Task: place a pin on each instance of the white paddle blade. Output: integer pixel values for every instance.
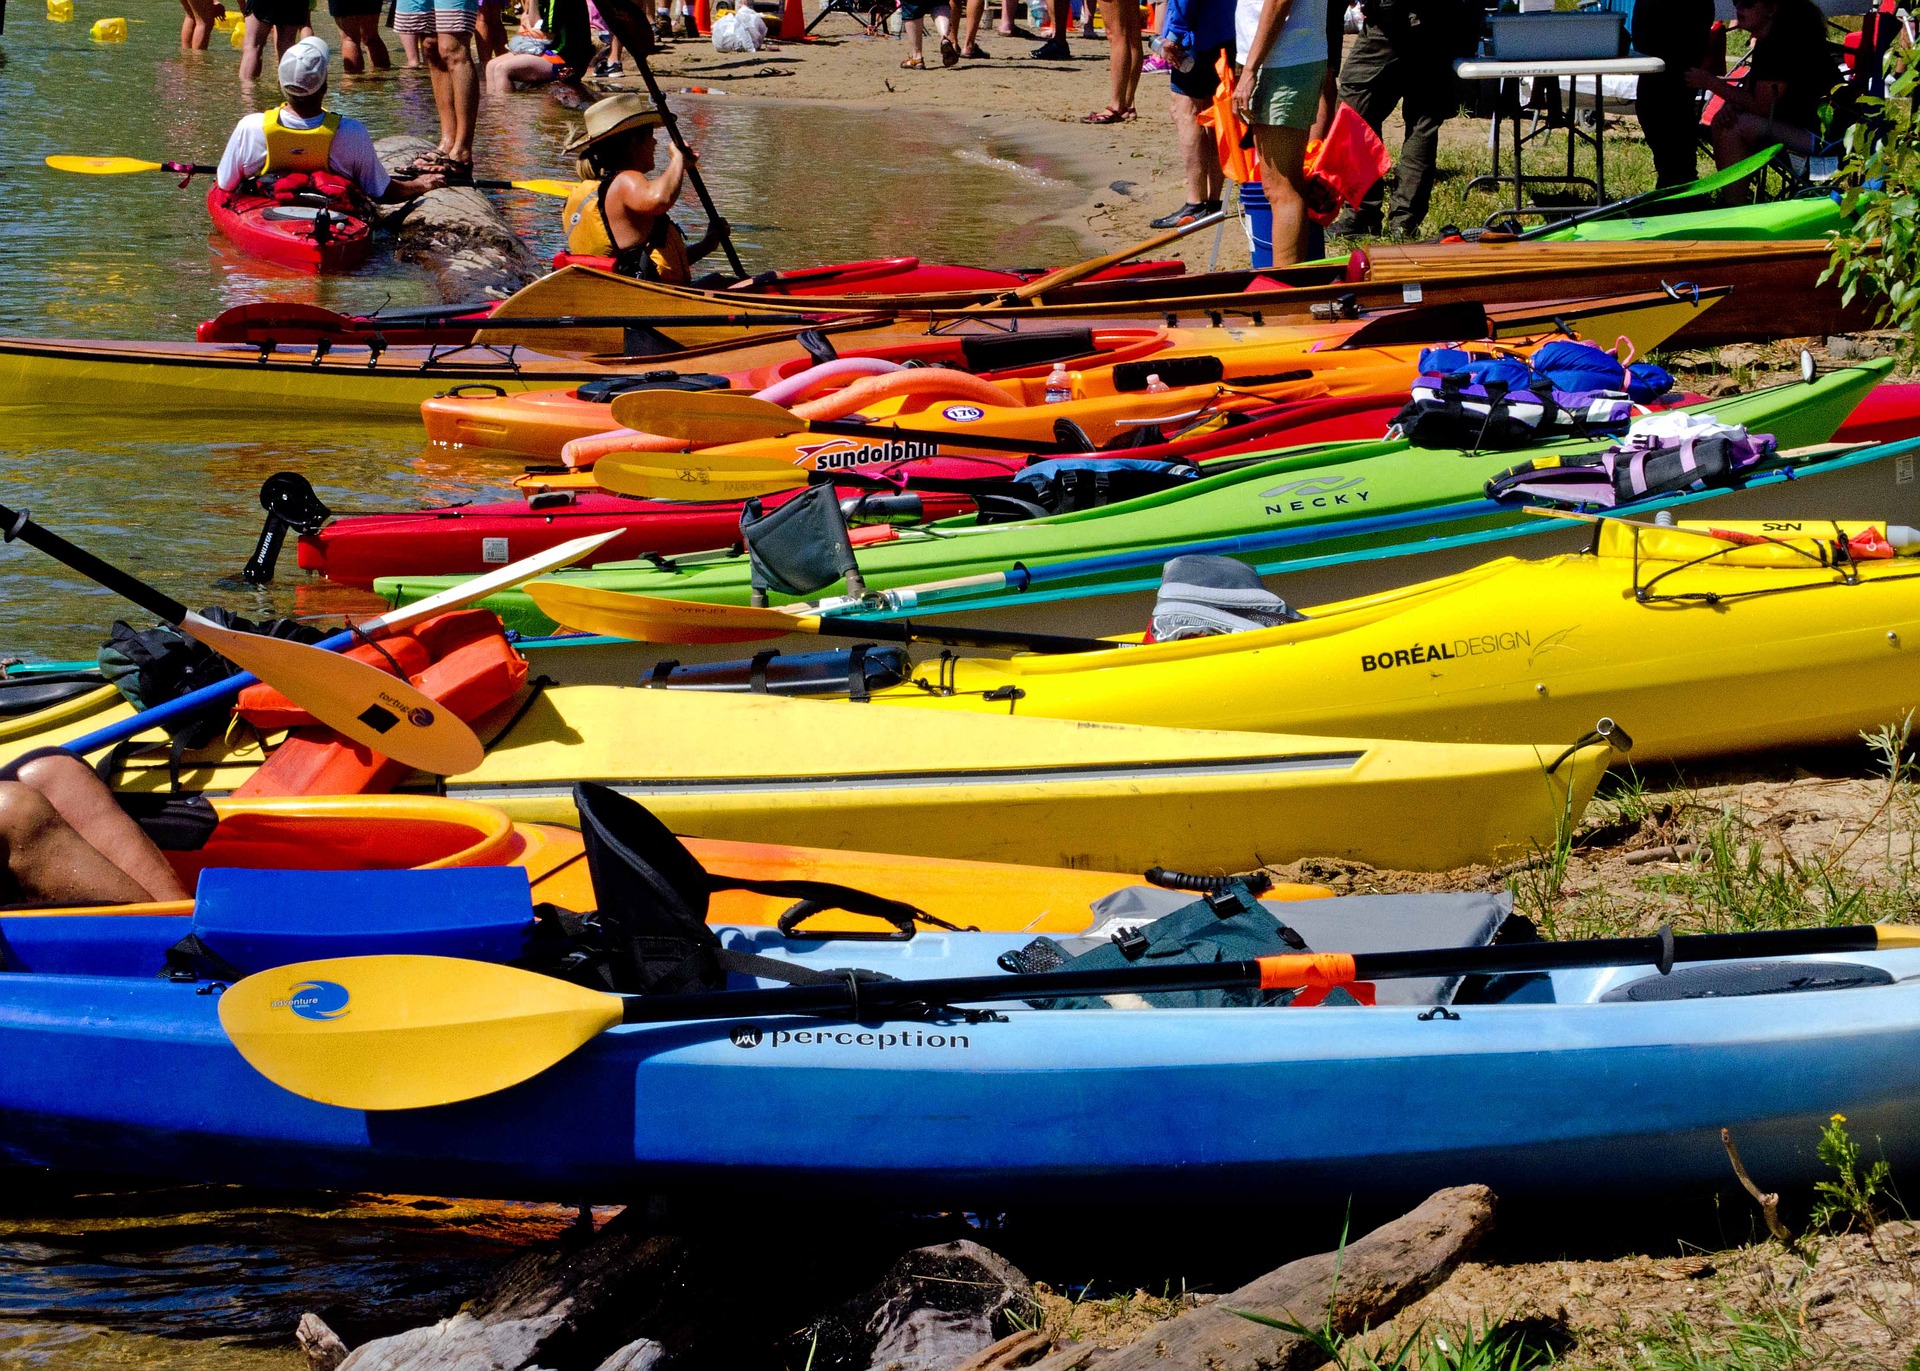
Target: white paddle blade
(505, 578)
(368, 706)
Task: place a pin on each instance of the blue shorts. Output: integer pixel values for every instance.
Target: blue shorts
(435, 16)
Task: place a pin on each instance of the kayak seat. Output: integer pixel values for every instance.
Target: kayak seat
(653, 896)
(1015, 351)
(1732, 980)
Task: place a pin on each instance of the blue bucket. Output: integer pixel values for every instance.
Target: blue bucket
(1257, 216)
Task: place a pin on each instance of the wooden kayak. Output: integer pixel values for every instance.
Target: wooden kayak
(1776, 290)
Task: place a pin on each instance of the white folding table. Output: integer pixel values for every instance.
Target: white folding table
(1486, 69)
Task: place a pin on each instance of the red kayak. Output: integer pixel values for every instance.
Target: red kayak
(475, 538)
(307, 232)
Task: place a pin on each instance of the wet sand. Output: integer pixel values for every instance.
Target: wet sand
(1010, 98)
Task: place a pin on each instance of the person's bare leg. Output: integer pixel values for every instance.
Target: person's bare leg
(442, 90)
(463, 84)
(916, 32)
(252, 50)
(489, 32)
(410, 45)
(1283, 154)
(970, 32)
(1123, 51)
(88, 807)
(47, 860)
(1198, 156)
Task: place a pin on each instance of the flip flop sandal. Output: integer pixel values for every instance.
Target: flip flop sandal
(976, 53)
(914, 64)
(1104, 116)
(949, 54)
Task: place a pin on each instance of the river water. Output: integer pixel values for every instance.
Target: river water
(216, 1279)
(132, 257)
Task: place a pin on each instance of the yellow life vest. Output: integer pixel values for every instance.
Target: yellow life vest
(662, 256)
(297, 149)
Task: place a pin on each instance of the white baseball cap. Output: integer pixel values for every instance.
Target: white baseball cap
(303, 67)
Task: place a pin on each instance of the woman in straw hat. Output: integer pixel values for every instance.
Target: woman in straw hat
(620, 211)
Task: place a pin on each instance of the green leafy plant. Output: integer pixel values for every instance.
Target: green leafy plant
(1853, 1195)
(1878, 258)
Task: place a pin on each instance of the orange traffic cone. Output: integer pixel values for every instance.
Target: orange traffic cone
(793, 20)
(702, 17)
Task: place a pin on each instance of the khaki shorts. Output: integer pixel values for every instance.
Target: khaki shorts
(1288, 97)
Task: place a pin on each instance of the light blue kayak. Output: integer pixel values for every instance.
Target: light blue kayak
(1560, 1081)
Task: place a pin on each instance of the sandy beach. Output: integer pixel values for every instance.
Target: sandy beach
(1127, 174)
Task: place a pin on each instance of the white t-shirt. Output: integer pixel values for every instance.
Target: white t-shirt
(1302, 38)
(351, 154)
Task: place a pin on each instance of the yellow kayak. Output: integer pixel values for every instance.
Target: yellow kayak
(1699, 646)
(1035, 791)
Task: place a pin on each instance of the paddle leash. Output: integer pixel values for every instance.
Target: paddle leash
(408, 1032)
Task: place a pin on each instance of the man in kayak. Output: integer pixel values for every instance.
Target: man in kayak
(619, 211)
(302, 136)
(58, 822)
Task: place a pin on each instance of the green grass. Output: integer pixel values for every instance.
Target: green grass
(1767, 1343)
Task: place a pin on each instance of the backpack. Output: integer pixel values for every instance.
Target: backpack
(153, 665)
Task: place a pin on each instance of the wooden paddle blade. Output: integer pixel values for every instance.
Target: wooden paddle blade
(650, 619)
(101, 166)
(477, 588)
(714, 475)
(407, 1032)
(361, 703)
(706, 417)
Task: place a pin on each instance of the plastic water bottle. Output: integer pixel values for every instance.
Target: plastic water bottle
(1059, 384)
(1156, 386)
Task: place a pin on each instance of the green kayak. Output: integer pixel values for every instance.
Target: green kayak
(1777, 221)
(1435, 493)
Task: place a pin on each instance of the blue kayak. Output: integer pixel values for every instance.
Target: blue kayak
(1560, 1081)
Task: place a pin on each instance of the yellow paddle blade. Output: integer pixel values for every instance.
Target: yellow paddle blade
(650, 619)
(1897, 935)
(101, 166)
(706, 475)
(706, 417)
(559, 189)
(363, 704)
(407, 1032)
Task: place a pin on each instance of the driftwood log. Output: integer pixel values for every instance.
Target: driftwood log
(1360, 1286)
(457, 234)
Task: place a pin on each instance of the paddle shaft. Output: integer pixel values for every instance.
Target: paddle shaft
(855, 998)
(714, 219)
(906, 631)
(230, 686)
(18, 525)
(986, 442)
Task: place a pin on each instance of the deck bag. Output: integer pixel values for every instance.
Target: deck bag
(650, 933)
(1201, 596)
(797, 547)
(1226, 926)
